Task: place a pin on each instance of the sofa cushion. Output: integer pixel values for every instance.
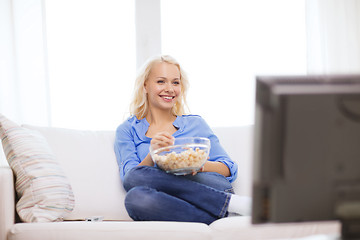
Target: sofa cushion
(110, 231)
(89, 161)
(242, 228)
(238, 143)
(43, 189)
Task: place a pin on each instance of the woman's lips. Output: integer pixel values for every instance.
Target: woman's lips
(167, 98)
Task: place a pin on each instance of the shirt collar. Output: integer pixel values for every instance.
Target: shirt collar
(178, 123)
(145, 122)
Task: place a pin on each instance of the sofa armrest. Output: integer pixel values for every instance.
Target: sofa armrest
(7, 201)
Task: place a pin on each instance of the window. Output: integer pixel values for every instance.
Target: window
(91, 62)
(224, 44)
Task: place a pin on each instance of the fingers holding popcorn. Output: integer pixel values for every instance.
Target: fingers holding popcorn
(162, 139)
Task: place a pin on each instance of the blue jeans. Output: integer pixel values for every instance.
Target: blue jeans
(154, 195)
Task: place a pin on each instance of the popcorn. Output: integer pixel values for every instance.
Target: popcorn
(187, 159)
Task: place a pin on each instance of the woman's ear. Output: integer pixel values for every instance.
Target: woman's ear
(144, 87)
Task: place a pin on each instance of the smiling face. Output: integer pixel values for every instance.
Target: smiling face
(163, 86)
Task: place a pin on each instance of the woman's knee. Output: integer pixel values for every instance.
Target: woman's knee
(134, 177)
(135, 196)
(140, 176)
(138, 202)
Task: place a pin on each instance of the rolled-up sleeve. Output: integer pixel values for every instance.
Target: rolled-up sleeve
(217, 152)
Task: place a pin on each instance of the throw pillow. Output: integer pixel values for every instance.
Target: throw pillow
(44, 192)
(89, 160)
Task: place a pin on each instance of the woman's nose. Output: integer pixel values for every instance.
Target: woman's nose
(169, 88)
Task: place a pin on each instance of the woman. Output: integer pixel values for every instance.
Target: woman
(157, 119)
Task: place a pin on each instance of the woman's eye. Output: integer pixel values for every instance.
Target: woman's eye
(176, 83)
(160, 81)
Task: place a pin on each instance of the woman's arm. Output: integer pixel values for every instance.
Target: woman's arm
(125, 150)
(219, 161)
(218, 167)
(147, 161)
(161, 139)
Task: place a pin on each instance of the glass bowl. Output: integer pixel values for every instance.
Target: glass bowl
(187, 155)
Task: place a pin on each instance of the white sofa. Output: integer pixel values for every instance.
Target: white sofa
(89, 162)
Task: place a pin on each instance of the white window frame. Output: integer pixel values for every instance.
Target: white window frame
(148, 29)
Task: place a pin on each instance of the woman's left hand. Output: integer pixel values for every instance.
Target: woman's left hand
(202, 169)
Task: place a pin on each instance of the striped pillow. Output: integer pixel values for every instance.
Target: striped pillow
(44, 192)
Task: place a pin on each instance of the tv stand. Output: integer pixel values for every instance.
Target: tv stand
(348, 213)
(321, 237)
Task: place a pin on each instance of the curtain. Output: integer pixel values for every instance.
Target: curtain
(24, 95)
(333, 36)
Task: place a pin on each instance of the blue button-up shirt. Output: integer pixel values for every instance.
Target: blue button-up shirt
(132, 145)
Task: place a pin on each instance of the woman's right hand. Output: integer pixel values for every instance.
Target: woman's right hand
(162, 139)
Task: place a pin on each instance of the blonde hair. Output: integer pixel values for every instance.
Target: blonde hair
(139, 105)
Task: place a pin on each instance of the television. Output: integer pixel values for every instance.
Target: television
(306, 164)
